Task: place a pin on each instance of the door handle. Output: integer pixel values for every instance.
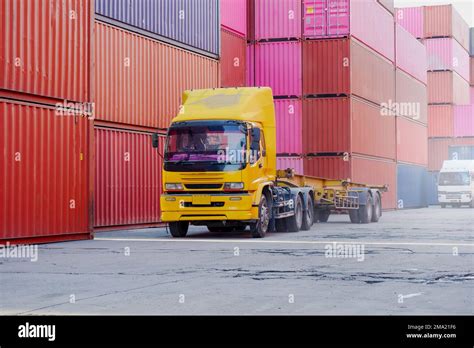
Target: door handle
(260, 165)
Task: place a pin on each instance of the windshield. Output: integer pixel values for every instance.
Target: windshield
(210, 143)
(454, 179)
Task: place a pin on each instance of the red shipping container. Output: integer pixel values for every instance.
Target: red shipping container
(365, 170)
(127, 179)
(464, 120)
(251, 20)
(447, 54)
(296, 163)
(447, 87)
(233, 59)
(288, 126)
(411, 19)
(234, 16)
(411, 97)
(440, 121)
(438, 150)
(45, 48)
(338, 125)
(345, 66)
(44, 174)
(445, 21)
(140, 81)
(250, 66)
(410, 54)
(412, 142)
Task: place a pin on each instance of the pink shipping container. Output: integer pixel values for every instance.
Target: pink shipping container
(367, 170)
(127, 179)
(366, 20)
(278, 65)
(234, 16)
(277, 19)
(288, 126)
(472, 94)
(447, 54)
(250, 66)
(440, 121)
(447, 87)
(44, 175)
(295, 163)
(411, 97)
(412, 142)
(45, 48)
(410, 54)
(388, 4)
(464, 121)
(411, 18)
(471, 80)
(445, 21)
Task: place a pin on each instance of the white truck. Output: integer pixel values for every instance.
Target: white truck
(456, 183)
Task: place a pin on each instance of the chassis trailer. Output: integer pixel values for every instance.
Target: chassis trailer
(220, 171)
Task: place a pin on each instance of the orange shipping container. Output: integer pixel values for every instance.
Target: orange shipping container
(233, 59)
(367, 170)
(440, 121)
(412, 142)
(140, 81)
(438, 150)
(411, 97)
(447, 87)
(445, 21)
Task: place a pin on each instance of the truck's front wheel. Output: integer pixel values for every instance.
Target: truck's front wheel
(260, 228)
(179, 229)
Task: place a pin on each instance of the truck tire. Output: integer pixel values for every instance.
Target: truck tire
(354, 216)
(179, 229)
(377, 209)
(324, 215)
(260, 228)
(308, 217)
(366, 211)
(280, 225)
(295, 222)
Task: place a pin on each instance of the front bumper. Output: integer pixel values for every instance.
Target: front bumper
(454, 198)
(180, 207)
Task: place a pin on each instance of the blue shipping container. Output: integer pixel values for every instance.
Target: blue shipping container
(433, 188)
(461, 152)
(411, 186)
(191, 24)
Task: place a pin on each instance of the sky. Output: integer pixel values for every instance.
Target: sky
(464, 7)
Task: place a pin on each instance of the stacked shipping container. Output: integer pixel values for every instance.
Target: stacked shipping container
(45, 99)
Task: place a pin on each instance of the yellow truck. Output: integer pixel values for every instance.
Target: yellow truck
(220, 171)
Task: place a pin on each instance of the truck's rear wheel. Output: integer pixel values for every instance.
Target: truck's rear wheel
(280, 225)
(295, 222)
(377, 212)
(354, 216)
(366, 211)
(324, 215)
(179, 229)
(308, 218)
(260, 228)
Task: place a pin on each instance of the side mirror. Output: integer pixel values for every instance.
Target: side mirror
(155, 140)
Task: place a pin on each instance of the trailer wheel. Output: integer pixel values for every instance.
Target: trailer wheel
(354, 216)
(308, 219)
(377, 212)
(179, 229)
(324, 215)
(295, 222)
(260, 228)
(366, 211)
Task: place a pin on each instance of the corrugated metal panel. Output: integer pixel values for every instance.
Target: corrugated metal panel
(366, 20)
(412, 142)
(251, 20)
(411, 18)
(472, 94)
(331, 167)
(250, 66)
(438, 150)
(288, 126)
(45, 48)
(336, 125)
(471, 40)
(464, 120)
(234, 15)
(432, 183)
(327, 70)
(277, 19)
(388, 4)
(461, 152)
(445, 21)
(191, 22)
(411, 97)
(233, 59)
(447, 54)
(411, 186)
(290, 162)
(127, 179)
(44, 173)
(278, 65)
(447, 87)
(410, 54)
(440, 120)
(140, 81)
(472, 71)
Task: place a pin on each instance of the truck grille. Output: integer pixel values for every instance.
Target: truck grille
(202, 186)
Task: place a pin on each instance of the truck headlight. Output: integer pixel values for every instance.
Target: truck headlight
(173, 187)
(231, 186)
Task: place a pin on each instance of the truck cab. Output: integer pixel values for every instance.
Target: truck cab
(456, 183)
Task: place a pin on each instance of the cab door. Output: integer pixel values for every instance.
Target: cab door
(257, 157)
